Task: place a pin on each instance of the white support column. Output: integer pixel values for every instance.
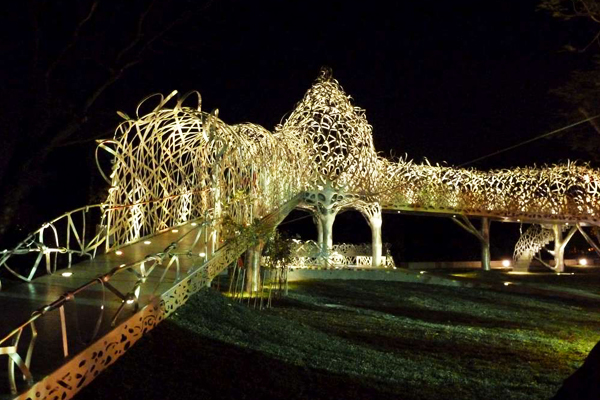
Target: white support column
(483, 235)
(485, 244)
(253, 256)
(327, 228)
(319, 225)
(375, 222)
(217, 211)
(560, 243)
(559, 249)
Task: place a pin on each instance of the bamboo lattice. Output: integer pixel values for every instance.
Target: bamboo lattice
(178, 163)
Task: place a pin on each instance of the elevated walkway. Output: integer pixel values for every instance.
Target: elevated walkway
(59, 332)
(77, 320)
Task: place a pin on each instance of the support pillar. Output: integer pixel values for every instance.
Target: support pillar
(253, 255)
(559, 249)
(375, 222)
(327, 218)
(560, 243)
(483, 235)
(319, 225)
(212, 241)
(485, 244)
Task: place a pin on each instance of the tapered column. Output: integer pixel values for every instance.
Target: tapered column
(559, 248)
(327, 220)
(253, 255)
(319, 225)
(375, 224)
(485, 244)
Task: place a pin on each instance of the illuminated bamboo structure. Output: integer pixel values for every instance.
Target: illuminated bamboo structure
(175, 163)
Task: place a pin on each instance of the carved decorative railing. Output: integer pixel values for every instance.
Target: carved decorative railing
(308, 255)
(143, 269)
(101, 353)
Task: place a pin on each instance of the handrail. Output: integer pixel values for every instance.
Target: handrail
(35, 243)
(219, 260)
(131, 297)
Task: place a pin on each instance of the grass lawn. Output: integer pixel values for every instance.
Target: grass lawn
(360, 340)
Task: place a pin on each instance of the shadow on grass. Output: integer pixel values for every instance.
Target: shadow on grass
(340, 341)
(513, 300)
(443, 317)
(173, 362)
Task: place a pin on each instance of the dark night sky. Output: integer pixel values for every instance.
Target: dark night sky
(450, 81)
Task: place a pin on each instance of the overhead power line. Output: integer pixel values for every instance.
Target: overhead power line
(564, 128)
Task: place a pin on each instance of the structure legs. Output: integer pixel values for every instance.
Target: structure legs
(327, 220)
(482, 234)
(253, 255)
(485, 244)
(375, 224)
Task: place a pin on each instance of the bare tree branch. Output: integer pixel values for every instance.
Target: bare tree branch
(139, 32)
(596, 39)
(593, 122)
(72, 42)
(590, 13)
(90, 139)
(35, 7)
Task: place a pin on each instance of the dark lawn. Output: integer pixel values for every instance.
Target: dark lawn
(360, 340)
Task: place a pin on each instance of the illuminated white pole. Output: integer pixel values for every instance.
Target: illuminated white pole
(319, 225)
(375, 222)
(327, 229)
(253, 256)
(560, 244)
(485, 244)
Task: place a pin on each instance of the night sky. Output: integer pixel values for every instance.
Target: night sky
(450, 81)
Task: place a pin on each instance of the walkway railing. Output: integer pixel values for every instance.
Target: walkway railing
(308, 255)
(117, 339)
(142, 269)
(74, 233)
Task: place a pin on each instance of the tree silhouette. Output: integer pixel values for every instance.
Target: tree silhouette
(63, 65)
(580, 92)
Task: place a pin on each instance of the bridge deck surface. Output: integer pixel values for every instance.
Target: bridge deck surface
(19, 301)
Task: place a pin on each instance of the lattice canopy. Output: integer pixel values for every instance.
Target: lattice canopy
(178, 163)
(335, 135)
